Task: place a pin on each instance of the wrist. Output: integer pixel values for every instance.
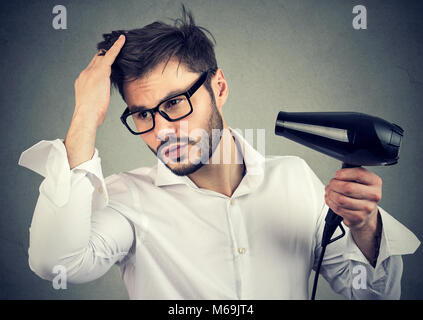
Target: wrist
(82, 121)
(368, 238)
(370, 226)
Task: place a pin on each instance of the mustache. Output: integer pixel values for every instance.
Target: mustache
(184, 140)
(176, 140)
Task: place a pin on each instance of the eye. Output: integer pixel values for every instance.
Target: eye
(172, 103)
(143, 115)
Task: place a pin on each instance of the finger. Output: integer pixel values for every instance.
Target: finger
(93, 59)
(340, 210)
(114, 50)
(355, 190)
(350, 204)
(97, 55)
(360, 175)
(351, 217)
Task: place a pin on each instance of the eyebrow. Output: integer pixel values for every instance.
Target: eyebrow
(170, 94)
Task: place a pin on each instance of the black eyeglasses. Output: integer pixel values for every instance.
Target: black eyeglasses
(177, 107)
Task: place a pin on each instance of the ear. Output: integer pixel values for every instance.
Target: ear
(220, 88)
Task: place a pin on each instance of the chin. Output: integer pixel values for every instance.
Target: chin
(183, 166)
(184, 169)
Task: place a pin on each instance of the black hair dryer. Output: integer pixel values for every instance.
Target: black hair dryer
(356, 139)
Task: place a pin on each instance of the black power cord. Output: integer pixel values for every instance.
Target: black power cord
(332, 221)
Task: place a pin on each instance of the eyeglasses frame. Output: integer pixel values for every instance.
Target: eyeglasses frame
(188, 94)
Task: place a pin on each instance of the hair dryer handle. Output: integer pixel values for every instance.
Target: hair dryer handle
(332, 220)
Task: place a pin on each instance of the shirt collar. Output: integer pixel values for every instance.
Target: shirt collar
(254, 163)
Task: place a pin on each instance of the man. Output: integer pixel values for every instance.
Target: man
(214, 219)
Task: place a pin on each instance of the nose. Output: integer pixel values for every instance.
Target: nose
(163, 128)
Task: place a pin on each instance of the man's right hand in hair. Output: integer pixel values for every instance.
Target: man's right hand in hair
(92, 99)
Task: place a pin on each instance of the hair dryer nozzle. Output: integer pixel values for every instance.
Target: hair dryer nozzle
(351, 137)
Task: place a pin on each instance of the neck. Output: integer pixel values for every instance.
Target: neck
(225, 169)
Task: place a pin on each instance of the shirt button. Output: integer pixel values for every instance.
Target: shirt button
(241, 250)
(100, 189)
(232, 202)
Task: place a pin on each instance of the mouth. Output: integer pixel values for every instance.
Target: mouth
(175, 151)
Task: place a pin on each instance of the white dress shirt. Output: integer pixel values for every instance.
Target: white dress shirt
(173, 240)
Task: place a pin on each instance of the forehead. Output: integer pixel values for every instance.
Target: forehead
(154, 86)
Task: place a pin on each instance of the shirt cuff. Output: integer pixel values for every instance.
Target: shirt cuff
(49, 159)
(396, 240)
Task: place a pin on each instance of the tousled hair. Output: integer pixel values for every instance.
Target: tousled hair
(147, 47)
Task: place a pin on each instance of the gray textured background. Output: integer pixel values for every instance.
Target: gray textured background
(276, 55)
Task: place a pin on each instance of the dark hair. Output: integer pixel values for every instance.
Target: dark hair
(147, 47)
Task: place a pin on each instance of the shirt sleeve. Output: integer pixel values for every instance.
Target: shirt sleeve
(346, 268)
(72, 225)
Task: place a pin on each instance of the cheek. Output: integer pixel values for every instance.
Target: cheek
(200, 116)
(150, 140)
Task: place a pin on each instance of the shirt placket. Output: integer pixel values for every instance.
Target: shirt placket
(239, 242)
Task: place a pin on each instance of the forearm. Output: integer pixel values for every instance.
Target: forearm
(368, 238)
(80, 140)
